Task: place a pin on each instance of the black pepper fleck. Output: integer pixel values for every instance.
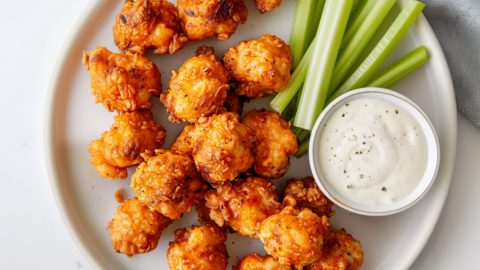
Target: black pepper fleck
(123, 18)
(384, 189)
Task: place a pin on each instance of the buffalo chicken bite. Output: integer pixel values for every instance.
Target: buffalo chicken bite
(122, 82)
(341, 252)
(243, 204)
(211, 18)
(267, 5)
(253, 261)
(294, 237)
(261, 66)
(198, 248)
(198, 89)
(307, 194)
(131, 135)
(222, 147)
(274, 142)
(142, 24)
(135, 228)
(168, 183)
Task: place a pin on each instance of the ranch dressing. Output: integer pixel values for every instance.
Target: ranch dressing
(372, 151)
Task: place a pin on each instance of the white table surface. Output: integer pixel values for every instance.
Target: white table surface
(32, 235)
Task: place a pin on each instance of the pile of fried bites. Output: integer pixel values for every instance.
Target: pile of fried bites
(219, 162)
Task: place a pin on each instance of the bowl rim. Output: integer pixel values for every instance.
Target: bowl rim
(423, 185)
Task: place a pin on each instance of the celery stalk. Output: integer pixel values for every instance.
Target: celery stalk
(282, 99)
(315, 20)
(383, 49)
(301, 133)
(303, 148)
(299, 37)
(401, 68)
(325, 49)
(352, 50)
(357, 18)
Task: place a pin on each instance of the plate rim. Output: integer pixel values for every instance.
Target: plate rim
(95, 7)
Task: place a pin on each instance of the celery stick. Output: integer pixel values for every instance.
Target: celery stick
(317, 14)
(303, 148)
(282, 99)
(383, 49)
(325, 49)
(355, 5)
(352, 50)
(301, 133)
(357, 18)
(401, 68)
(299, 40)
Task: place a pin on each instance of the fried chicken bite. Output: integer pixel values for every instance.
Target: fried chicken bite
(198, 248)
(202, 19)
(261, 66)
(243, 204)
(274, 142)
(341, 252)
(122, 81)
(294, 237)
(183, 142)
(267, 5)
(253, 261)
(199, 88)
(142, 24)
(135, 228)
(307, 194)
(222, 148)
(131, 135)
(168, 183)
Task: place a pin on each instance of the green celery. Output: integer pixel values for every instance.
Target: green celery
(356, 19)
(401, 68)
(299, 42)
(383, 49)
(282, 99)
(315, 20)
(303, 148)
(325, 49)
(352, 50)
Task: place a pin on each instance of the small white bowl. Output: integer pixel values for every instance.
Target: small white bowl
(433, 153)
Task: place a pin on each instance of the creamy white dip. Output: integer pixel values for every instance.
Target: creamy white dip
(372, 151)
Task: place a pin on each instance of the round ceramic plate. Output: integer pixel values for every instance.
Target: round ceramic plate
(87, 203)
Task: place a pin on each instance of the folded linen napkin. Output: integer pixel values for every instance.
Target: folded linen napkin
(457, 26)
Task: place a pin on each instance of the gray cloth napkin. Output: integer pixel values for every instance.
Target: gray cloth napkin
(457, 25)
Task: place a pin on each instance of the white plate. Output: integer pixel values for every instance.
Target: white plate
(86, 201)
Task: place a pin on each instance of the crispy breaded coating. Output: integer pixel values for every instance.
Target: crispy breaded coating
(253, 261)
(142, 24)
(294, 237)
(261, 66)
(211, 18)
(199, 88)
(198, 248)
(168, 183)
(135, 228)
(307, 194)
(267, 5)
(131, 135)
(183, 142)
(243, 204)
(274, 142)
(222, 148)
(341, 252)
(122, 81)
